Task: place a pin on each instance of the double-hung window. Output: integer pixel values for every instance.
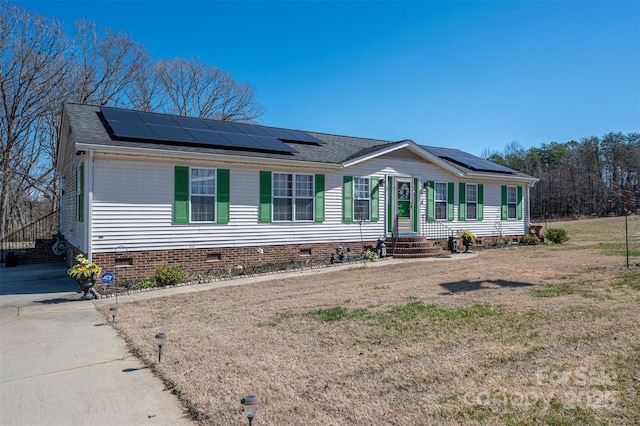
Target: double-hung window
(441, 200)
(203, 194)
(361, 199)
(472, 201)
(293, 196)
(512, 202)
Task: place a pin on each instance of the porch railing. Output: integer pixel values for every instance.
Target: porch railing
(436, 230)
(26, 237)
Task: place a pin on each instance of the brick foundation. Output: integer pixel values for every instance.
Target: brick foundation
(133, 266)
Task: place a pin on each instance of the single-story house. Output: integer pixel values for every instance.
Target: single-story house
(144, 189)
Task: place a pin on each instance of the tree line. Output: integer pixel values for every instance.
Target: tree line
(578, 177)
(42, 66)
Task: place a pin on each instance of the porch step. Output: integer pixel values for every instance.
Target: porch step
(417, 247)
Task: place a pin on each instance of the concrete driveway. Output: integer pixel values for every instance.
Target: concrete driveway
(61, 363)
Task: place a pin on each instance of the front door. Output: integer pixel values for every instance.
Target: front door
(404, 205)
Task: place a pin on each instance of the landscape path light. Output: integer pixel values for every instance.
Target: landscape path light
(160, 340)
(250, 405)
(114, 311)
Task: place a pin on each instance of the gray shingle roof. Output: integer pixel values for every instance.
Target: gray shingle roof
(89, 127)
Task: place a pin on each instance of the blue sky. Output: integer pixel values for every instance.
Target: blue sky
(474, 75)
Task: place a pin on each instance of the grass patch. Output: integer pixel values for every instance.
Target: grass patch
(553, 290)
(630, 279)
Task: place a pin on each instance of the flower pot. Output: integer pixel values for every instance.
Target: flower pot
(86, 284)
(466, 242)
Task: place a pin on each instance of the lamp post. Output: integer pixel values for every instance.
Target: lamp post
(250, 405)
(114, 311)
(160, 340)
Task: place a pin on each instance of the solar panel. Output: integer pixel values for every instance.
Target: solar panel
(191, 123)
(120, 115)
(299, 136)
(209, 137)
(278, 133)
(168, 133)
(221, 126)
(470, 161)
(250, 129)
(132, 130)
(159, 119)
(127, 124)
(273, 144)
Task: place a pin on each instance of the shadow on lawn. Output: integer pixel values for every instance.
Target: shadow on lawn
(459, 286)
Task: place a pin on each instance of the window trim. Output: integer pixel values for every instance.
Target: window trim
(368, 198)
(514, 203)
(214, 195)
(474, 202)
(294, 197)
(436, 201)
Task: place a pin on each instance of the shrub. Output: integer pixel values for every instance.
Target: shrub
(530, 240)
(371, 256)
(557, 235)
(147, 282)
(169, 275)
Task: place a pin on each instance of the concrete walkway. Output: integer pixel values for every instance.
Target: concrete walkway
(61, 363)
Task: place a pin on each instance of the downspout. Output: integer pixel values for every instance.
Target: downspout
(88, 224)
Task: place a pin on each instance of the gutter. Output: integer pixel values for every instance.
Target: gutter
(200, 156)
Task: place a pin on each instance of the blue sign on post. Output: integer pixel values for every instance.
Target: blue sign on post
(107, 278)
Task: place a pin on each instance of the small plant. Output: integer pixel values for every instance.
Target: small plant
(370, 256)
(169, 275)
(557, 235)
(147, 282)
(529, 240)
(467, 234)
(84, 269)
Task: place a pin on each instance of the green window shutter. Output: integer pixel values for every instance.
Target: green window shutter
(389, 190)
(431, 200)
(503, 204)
(480, 201)
(450, 200)
(181, 195)
(519, 203)
(222, 195)
(347, 199)
(375, 199)
(319, 198)
(264, 211)
(416, 205)
(462, 201)
(81, 194)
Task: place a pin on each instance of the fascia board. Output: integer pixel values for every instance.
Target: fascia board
(413, 147)
(63, 137)
(506, 178)
(157, 153)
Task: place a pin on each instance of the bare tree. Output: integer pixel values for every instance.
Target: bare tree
(105, 67)
(194, 89)
(34, 64)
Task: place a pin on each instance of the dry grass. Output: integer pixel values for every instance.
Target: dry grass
(532, 335)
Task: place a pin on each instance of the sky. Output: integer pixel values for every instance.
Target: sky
(475, 76)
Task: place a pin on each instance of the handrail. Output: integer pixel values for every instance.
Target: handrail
(437, 230)
(26, 237)
(394, 236)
